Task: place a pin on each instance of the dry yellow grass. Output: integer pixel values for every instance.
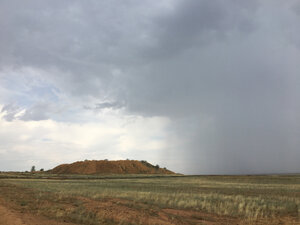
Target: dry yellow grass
(249, 197)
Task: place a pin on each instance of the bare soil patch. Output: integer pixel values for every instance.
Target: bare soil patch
(125, 211)
(9, 216)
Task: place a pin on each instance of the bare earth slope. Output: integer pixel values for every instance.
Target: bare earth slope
(109, 167)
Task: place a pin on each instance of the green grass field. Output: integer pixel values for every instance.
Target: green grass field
(247, 197)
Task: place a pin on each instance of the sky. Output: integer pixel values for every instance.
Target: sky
(199, 87)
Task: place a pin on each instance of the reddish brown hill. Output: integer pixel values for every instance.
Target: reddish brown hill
(109, 167)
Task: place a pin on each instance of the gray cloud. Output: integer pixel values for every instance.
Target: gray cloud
(244, 84)
(36, 112)
(225, 73)
(106, 105)
(296, 8)
(10, 111)
(198, 23)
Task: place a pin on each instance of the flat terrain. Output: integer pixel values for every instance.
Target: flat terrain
(42, 198)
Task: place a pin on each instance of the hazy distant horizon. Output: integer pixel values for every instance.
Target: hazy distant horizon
(199, 87)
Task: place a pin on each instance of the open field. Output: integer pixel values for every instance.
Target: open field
(130, 199)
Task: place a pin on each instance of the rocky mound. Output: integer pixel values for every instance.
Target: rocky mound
(109, 167)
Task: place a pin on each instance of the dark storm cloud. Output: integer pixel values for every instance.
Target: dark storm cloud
(242, 80)
(249, 98)
(200, 22)
(226, 73)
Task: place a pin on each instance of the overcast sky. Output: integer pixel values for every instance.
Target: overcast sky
(197, 86)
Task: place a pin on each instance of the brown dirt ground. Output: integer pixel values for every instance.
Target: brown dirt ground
(138, 213)
(51, 209)
(121, 212)
(9, 216)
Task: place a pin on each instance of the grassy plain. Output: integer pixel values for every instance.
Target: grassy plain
(268, 199)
